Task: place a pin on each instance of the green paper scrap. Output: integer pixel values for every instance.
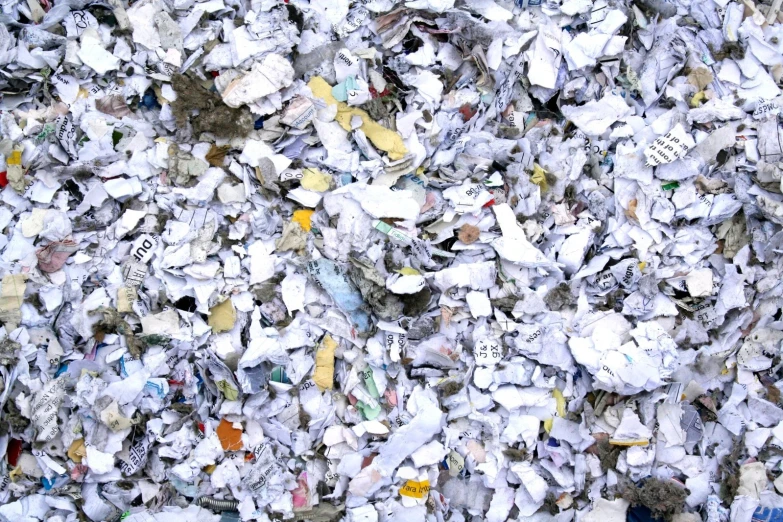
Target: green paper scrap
(229, 391)
(369, 382)
(368, 412)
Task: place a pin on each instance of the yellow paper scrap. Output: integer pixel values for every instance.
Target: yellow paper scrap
(15, 158)
(561, 409)
(14, 473)
(15, 177)
(324, 364)
(229, 392)
(383, 138)
(126, 296)
(15, 171)
(13, 289)
(415, 489)
(561, 403)
(77, 451)
(222, 316)
(315, 180)
(36, 10)
(112, 418)
(34, 223)
(406, 270)
(539, 177)
(698, 98)
(303, 218)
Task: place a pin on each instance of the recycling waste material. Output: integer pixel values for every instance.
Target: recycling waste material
(381, 260)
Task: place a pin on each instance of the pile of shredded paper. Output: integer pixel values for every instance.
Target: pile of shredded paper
(383, 260)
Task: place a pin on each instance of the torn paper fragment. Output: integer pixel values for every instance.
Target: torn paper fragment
(265, 78)
(45, 408)
(669, 147)
(595, 117)
(13, 287)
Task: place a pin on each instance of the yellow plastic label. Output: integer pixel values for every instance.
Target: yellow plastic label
(415, 489)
